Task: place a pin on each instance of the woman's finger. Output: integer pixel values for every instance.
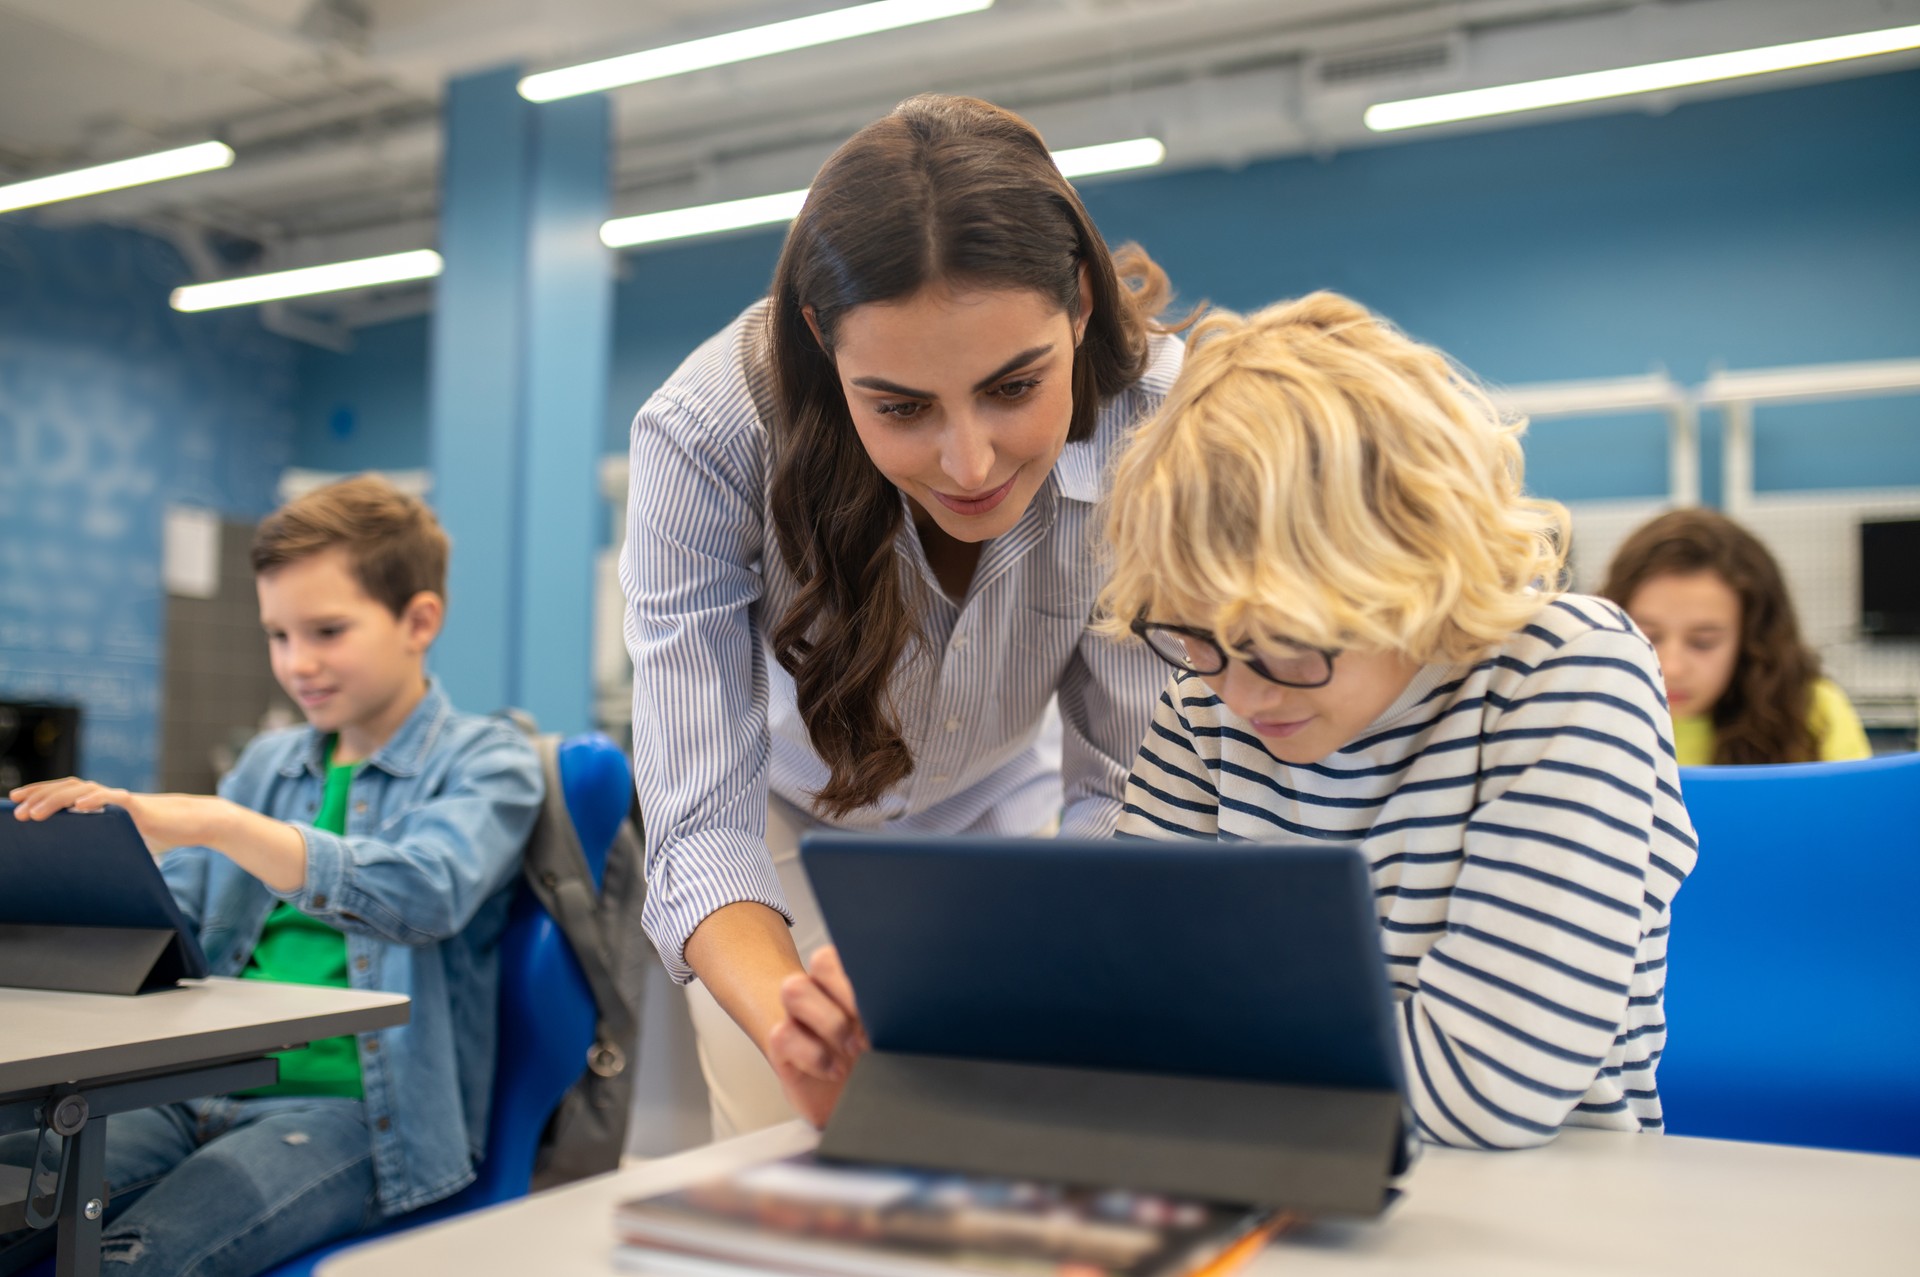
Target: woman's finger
(825, 967)
(807, 1002)
(793, 1045)
(827, 972)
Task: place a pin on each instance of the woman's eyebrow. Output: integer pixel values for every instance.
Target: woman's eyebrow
(1020, 360)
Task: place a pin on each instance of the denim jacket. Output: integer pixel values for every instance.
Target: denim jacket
(420, 885)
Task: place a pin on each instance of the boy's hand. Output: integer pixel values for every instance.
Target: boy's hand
(813, 1049)
(166, 821)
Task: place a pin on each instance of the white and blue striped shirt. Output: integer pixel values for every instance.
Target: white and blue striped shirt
(715, 725)
(1523, 820)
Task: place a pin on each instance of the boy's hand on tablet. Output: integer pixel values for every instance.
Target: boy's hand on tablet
(814, 1048)
(166, 821)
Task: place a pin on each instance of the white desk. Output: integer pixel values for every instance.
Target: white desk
(84, 1056)
(48, 1037)
(1590, 1203)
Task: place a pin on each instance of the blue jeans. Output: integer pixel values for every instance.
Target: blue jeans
(222, 1187)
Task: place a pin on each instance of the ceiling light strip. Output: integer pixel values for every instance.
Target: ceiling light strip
(161, 166)
(739, 46)
(1110, 157)
(365, 272)
(1533, 95)
(767, 210)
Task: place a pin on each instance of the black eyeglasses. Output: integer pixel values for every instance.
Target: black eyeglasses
(1197, 651)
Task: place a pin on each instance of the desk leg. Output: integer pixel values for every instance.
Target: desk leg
(84, 1202)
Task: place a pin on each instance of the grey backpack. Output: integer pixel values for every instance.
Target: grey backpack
(588, 1129)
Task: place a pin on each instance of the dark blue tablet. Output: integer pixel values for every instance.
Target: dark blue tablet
(1247, 961)
(77, 871)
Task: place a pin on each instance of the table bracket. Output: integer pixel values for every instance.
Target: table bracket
(78, 1115)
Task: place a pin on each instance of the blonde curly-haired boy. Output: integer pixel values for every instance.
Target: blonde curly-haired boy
(1324, 531)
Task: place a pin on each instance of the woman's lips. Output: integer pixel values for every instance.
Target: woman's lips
(980, 504)
(1279, 730)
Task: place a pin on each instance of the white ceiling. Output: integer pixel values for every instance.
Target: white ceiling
(333, 104)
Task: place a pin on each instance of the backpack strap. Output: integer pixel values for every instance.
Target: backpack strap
(556, 870)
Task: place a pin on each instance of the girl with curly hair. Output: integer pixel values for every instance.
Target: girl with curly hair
(1743, 686)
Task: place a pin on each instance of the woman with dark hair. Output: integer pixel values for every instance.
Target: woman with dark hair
(862, 559)
(1742, 685)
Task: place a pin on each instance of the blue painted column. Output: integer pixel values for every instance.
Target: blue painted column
(522, 339)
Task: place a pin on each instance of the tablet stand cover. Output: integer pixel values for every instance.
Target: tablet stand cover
(83, 908)
(1178, 1018)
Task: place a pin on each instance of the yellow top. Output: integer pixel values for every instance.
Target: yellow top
(1835, 726)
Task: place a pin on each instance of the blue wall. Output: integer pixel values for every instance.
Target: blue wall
(671, 300)
(365, 409)
(112, 406)
(1775, 228)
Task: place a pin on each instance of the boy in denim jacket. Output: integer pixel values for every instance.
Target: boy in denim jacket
(374, 848)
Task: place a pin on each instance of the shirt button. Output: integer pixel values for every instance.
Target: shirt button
(373, 1046)
(959, 642)
(382, 1124)
(953, 724)
(360, 809)
(320, 901)
(941, 779)
(360, 963)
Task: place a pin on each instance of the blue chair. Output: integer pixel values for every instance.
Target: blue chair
(547, 1014)
(1791, 1005)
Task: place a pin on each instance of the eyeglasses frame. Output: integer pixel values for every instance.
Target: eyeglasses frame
(1141, 627)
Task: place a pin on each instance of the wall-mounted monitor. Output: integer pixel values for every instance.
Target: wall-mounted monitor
(1890, 576)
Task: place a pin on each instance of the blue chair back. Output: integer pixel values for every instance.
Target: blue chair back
(1791, 1006)
(547, 1014)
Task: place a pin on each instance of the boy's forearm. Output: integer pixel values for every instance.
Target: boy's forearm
(271, 850)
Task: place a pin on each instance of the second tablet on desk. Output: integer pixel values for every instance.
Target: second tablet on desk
(83, 908)
(1194, 1018)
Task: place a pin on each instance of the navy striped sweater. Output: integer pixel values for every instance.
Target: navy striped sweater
(1523, 819)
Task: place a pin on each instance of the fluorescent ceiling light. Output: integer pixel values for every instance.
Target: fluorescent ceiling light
(158, 167)
(1110, 157)
(739, 46)
(394, 268)
(766, 210)
(702, 219)
(1532, 95)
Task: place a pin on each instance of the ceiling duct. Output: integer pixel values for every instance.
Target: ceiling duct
(1350, 67)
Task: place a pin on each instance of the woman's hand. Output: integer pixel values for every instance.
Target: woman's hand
(813, 1049)
(166, 821)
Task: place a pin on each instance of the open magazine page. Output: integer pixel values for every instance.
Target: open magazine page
(816, 1219)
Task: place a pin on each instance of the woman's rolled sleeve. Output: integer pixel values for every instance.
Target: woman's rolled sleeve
(690, 572)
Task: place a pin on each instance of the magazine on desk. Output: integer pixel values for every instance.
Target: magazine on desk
(808, 1218)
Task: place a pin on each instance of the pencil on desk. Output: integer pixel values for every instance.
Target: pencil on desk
(1231, 1259)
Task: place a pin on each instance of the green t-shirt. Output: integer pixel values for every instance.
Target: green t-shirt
(295, 948)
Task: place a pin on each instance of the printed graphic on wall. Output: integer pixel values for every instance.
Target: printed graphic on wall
(112, 407)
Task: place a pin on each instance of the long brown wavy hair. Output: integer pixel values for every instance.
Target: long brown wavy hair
(1763, 715)
(942, 190)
